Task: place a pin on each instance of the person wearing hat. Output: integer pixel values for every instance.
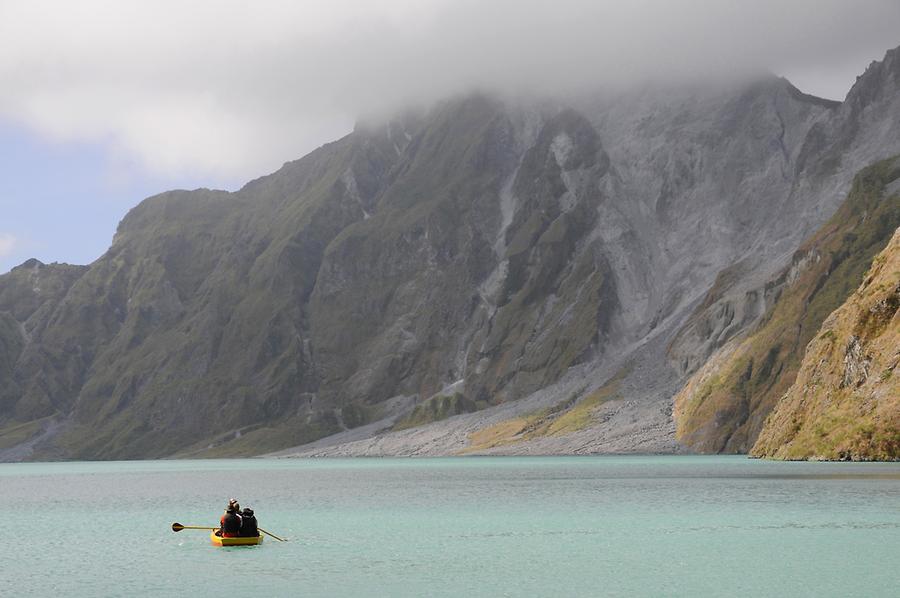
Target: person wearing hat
(230, 523)
(248, 523)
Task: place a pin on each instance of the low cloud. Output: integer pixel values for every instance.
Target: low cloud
(230, 89)
(8, 244)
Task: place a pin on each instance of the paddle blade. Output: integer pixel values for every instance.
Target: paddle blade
(177, 527)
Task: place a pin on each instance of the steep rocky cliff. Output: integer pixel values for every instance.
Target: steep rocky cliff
(493, 252)
(845, 401)
(724, 405)
(855, 135)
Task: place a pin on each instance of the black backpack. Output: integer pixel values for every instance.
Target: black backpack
(248, 524)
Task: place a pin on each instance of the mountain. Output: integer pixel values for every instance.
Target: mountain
(845, 401)
(29, 295)
(724, 405)
(563, 263)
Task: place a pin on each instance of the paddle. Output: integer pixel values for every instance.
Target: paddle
(177, 527)
(270, 534)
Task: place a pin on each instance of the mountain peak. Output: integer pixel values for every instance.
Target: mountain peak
(881, 79)
(29, 264)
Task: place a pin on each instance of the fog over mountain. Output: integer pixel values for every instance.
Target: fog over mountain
(232, 89)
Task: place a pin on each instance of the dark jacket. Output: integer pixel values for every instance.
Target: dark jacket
(248, 524)
(231, 525)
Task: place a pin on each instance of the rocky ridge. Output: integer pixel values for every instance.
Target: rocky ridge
(527, 256)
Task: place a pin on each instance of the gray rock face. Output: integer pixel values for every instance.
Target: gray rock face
(863, 129)
(709, 194)
(519, 254)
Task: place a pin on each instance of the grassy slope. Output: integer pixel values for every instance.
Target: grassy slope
(571, 415)
(28, 294)
(436, 409)
(724, 406)
(845, 402)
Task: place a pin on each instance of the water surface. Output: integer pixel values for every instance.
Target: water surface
(555, 526)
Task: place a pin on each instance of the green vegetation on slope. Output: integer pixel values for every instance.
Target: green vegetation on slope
(192, 326)
(567, 417)
(723, 407)
(845, 401)
(11, 344)
(436, 409)
(29, 295)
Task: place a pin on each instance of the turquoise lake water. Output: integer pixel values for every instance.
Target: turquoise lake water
(554, 526)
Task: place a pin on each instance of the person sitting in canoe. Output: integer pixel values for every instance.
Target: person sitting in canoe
(248, 523)
(230, 523)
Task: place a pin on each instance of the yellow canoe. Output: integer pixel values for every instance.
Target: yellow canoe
(248, 541)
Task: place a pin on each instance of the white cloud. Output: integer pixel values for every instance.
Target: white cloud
(7, 244)
(228, 88)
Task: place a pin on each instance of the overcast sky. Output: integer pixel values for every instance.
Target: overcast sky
(105, 102)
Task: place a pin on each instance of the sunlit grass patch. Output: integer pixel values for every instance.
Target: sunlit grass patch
(566, 417)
